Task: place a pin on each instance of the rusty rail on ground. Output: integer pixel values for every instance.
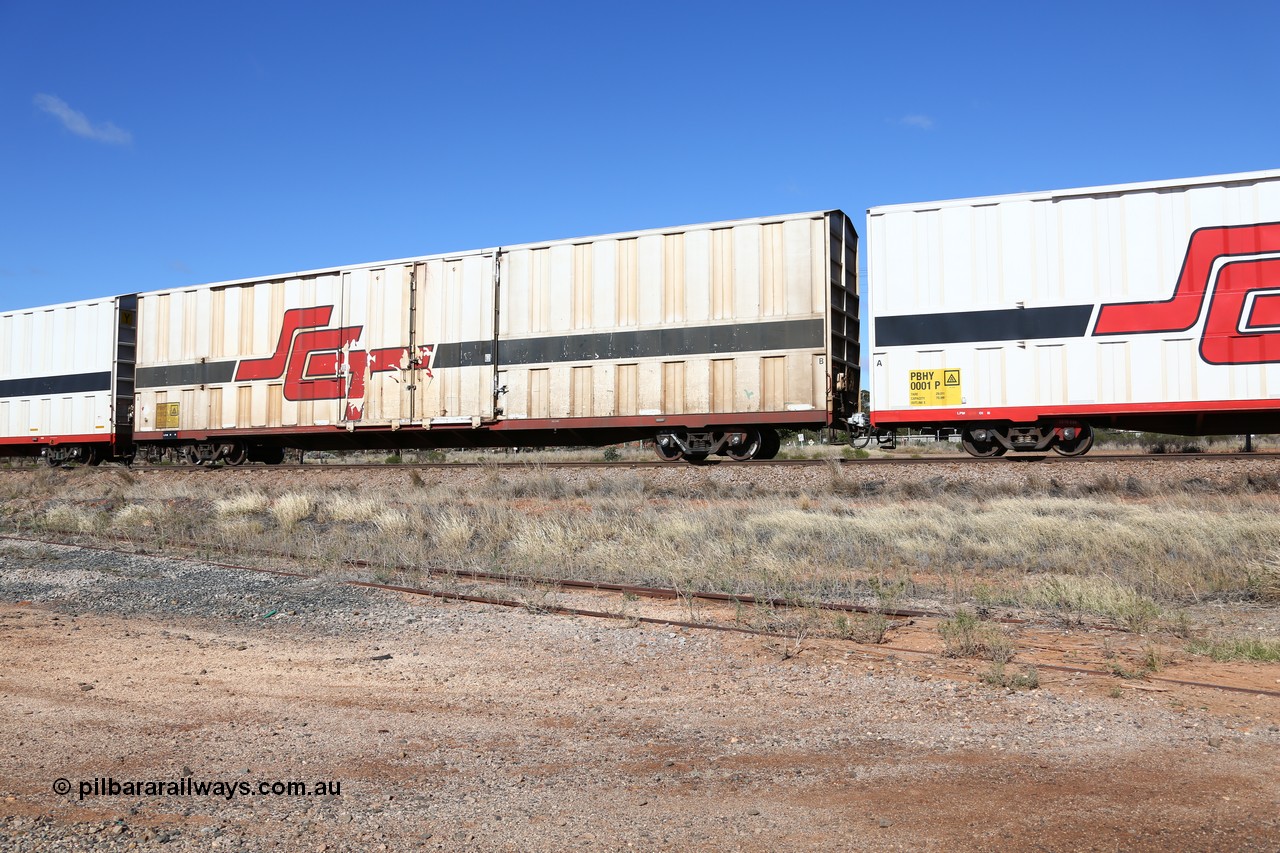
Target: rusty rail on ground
(879, 651)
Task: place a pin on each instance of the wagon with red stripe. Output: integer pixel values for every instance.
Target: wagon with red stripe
(706, 339)
(1025, 322)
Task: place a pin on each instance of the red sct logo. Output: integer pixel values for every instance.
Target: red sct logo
(318, 363)
(1242, 325)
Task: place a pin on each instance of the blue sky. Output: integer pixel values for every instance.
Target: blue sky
(149, 145)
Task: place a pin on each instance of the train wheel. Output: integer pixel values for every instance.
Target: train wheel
(770, 444)
(1079, 445)
(51, 460)
(984, 451)
(982, 448)
(749, 448)
(667, 453)
(91, 454)
(238, 454)
(190, 455)
(269, 455)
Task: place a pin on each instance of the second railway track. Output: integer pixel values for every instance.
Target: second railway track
(1030, 654)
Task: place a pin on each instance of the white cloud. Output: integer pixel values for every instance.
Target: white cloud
(916, 120)
(79, 124)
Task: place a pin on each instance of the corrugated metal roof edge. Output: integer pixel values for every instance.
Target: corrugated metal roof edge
(569, 241)
(1047, 195)
(73, 303)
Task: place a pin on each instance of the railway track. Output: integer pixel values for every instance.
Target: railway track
(510, 578)
(1052, 460)
(878, 651)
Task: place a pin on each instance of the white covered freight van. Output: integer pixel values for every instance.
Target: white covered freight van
(1026, 321)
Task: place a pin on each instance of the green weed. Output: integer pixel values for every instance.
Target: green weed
(1237, 649)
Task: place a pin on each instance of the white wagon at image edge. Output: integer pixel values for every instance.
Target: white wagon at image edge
(1026, 321)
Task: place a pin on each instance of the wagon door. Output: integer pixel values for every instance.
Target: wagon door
(374, 346)
(454, 339)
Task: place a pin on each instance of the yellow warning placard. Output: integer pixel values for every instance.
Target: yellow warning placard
(167, 416)
(935, 387)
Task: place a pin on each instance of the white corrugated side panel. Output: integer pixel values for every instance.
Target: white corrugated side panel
(1099, 246)
(57, 341)
(707, 274)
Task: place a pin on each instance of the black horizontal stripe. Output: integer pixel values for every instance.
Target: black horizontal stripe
(595, 346)
(45, 386)
(724, 339)
(199, 373)
(960, 327)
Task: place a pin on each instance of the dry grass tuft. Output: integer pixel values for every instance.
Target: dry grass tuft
(452, 531)
(1072, 596)
(534, 483)
(245, 503)
(346, 507)
(1264, 580)
(292, 508)
(393, 522)
(70, 518)
(241, 529)
(133, 516)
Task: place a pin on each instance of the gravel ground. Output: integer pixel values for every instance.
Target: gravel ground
(464, 727)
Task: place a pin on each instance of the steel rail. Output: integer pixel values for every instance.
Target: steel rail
(1079, 670)
(663, 593)
(1037, 459)
(880, 651)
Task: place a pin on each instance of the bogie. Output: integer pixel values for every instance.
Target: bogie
(83, 454)
(989, 440)
(696, 447)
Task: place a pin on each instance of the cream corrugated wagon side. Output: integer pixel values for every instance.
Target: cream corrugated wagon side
(706, 339)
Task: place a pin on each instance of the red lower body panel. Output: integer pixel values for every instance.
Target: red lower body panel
(1183, 418)
(39, 440)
